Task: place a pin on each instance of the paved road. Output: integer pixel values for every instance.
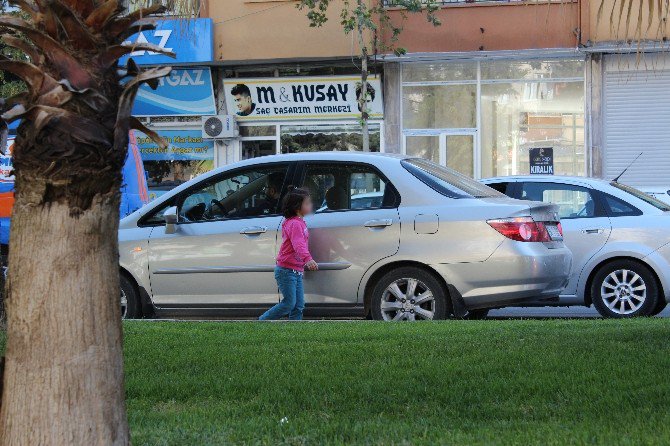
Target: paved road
(549, 312)
(506, 313)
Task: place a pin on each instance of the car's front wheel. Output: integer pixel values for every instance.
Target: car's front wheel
(623, 289)
(130, 302)
(408, 294)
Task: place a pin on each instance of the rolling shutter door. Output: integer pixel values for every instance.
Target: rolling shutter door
(637, 119)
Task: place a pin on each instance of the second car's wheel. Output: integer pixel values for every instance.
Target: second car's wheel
(408, 294)
(624, 288)
(130, 302)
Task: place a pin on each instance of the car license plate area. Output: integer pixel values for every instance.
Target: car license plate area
(554, 233)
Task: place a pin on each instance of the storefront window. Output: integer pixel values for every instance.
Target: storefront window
(440, 72)
(187, 156)
(254, 149)
(519, 116)
(522, 105)
(258, 130)
(423, 146)
(327, 137)
(536, 69)
(439, 106)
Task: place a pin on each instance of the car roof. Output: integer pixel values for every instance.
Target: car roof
(323, 156)
(548, 178)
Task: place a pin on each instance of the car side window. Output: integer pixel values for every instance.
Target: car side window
(253, 192)
(336, 187)
(500, 187)
(155, 217)
(573, 201)
(619, 208)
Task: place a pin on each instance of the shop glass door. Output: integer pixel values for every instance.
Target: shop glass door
(455, 150)
(256, 148)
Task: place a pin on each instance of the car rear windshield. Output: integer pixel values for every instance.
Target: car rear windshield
(447, 181)
(642, 196)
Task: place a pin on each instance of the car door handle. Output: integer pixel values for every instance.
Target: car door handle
(593, 231)
(381, 223)
(254, 230)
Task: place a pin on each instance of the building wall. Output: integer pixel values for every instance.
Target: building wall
(491, 27)
(614, 24)
(248, 30)
(257, 30)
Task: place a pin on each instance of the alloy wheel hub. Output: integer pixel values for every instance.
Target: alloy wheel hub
(407, 299)
(623, 291)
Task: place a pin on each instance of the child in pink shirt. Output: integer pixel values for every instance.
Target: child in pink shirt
(293, 257)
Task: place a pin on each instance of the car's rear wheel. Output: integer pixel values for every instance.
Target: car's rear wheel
(623, 289)
(130, 302)
(408, 294)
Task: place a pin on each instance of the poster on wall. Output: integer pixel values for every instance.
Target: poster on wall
(187, 156)
(187, 92)
(541, 161)
(295, 98)
(6, 165)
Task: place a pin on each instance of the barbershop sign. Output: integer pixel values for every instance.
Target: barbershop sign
(332, 97)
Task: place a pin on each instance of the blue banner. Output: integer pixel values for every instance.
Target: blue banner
(191, 40)
(183, 145)
(187, 92)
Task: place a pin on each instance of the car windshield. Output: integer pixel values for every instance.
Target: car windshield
(447, 181)
(642, 196)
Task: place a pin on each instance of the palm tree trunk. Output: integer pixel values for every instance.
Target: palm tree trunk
(64, 331)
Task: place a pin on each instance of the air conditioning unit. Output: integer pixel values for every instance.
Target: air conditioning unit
(219, 127)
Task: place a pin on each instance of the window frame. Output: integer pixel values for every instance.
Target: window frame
(301, 175)
(178, 199)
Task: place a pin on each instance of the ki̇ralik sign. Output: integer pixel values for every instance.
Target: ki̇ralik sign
(541, 161)
(296, 98)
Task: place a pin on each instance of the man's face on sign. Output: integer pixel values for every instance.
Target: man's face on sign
(243, 103)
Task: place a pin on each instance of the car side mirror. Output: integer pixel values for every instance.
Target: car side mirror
(171, 220)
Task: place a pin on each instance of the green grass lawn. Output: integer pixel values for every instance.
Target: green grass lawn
(452, 382)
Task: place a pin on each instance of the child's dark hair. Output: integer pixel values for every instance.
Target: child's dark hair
(293, 201)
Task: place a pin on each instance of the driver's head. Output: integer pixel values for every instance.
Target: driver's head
(275, 181)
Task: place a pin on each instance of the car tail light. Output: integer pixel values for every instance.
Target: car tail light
(560, 228)
(521, 229)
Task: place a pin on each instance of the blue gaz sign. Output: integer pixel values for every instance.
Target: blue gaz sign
(186, 92)
(191, 40)
(183, 145)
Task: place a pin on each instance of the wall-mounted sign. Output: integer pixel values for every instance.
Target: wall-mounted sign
(184, 145)
(191, 40)
(541, 161)
(332, 97)
(6, 165)
(187, 92)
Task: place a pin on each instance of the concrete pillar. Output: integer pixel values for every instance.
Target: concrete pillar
(594, 115)
(392, 108)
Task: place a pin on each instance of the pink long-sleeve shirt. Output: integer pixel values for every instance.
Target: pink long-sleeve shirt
(294, 251)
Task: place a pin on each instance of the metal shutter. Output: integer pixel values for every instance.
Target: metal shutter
(636, 119)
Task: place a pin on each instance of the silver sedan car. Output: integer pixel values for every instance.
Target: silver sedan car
(619, 237)
(436, 244)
